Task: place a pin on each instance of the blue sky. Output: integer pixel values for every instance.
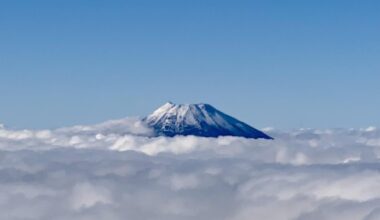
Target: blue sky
(285, 64)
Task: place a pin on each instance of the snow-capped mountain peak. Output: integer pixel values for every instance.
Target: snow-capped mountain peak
(199, 120)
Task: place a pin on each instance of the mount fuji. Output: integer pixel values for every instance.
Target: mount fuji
(199, 120)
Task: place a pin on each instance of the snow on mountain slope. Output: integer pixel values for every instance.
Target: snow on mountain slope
(199, 120)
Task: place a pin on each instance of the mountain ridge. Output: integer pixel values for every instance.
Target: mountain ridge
(199, 120)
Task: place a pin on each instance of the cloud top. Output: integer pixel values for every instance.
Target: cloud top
(116, 170)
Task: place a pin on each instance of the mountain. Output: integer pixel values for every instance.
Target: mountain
(199, 120)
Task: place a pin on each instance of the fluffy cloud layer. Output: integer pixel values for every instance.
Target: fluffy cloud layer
(116, 170)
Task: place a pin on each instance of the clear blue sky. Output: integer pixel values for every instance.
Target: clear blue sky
(284, 63)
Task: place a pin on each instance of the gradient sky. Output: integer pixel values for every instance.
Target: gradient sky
(286, 64)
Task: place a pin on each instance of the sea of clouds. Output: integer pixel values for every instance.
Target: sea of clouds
(117, 170)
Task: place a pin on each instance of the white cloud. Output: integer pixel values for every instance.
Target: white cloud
(183, 182)
(116, 171)
(85, 195)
